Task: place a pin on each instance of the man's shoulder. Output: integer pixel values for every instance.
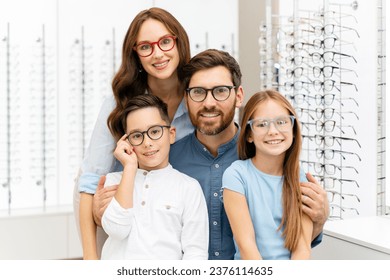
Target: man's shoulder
(186, 140)
(181, 150)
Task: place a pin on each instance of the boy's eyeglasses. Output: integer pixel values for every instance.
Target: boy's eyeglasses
(261, 126)
(154, 132)
(199, 94)
(145, 49)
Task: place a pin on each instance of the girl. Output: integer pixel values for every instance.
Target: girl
(261, 191)
(155, 49)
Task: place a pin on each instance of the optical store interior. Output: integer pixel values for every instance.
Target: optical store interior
(328, 57)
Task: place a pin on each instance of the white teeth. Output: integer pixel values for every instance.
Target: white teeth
(161, 64)
(210, 115)
(273, 142)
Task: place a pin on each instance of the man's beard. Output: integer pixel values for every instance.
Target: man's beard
(213, 128)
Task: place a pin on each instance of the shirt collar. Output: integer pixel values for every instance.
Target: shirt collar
(181, 110)
(221, 149)
(158, 172)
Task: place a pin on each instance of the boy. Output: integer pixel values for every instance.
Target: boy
(157, 212)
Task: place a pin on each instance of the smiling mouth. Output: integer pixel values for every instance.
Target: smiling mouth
(274, 142)
(151, 153)
(209, 115)
(161, 64)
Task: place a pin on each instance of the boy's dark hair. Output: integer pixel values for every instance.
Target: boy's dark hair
(136, 103)
(208, 59)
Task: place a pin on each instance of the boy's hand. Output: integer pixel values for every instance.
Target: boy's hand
(124, 152)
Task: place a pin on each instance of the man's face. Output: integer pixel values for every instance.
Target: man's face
(210, 116)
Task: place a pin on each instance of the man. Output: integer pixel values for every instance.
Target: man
(213, 91)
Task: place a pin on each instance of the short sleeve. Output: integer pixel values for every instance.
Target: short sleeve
(232, 179)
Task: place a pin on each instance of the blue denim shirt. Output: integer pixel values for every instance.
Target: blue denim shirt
(99, 158)
(192, 158)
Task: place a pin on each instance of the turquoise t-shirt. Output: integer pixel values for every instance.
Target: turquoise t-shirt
(263, 193)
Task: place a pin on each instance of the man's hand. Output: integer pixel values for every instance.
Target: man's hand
(101, 199)
(315, 203)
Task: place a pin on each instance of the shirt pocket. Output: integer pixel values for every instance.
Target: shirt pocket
(169, 213)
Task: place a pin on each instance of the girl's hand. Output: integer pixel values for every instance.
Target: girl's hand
(124, 152)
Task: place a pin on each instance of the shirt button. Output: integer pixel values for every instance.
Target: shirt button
(143, 203)
(146, 186)
(215, 194)
(217, 165)
(204, 149)
(145, 173)
(215, 223)
(216, 253)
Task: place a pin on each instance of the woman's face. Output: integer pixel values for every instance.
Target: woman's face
(160, 64)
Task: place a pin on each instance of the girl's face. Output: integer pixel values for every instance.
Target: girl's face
(151, 154)
(275, 136)
(160, 64)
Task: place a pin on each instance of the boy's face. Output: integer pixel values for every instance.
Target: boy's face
(151, 154)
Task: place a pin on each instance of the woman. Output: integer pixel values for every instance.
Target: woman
(155, 49)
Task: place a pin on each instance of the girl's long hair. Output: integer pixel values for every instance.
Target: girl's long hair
(131, 79)
(292, 203)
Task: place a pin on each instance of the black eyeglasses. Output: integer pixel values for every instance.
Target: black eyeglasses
(332, 193)
(328, 140)
(328, 56)
(328, 71)
(327, 113)
(165, 44)
(320, 167)
(328, 29)
(297, 85)
(329, 182)
(154, 132)
(327, 125)
(199, 94)
(298, 98)
(329, 153)
(329, 168)
(329, 84)
(298, 46)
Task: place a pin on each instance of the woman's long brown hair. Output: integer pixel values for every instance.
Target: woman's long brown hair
(292, 203)
(131, 80)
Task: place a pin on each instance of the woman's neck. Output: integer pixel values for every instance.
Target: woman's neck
(168, 90)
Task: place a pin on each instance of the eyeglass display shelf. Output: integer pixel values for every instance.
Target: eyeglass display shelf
(355, 238)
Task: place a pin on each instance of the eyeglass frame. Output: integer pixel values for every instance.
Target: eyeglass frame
(155, 43)
(292, 118)
(147, 133)
(188, 91)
